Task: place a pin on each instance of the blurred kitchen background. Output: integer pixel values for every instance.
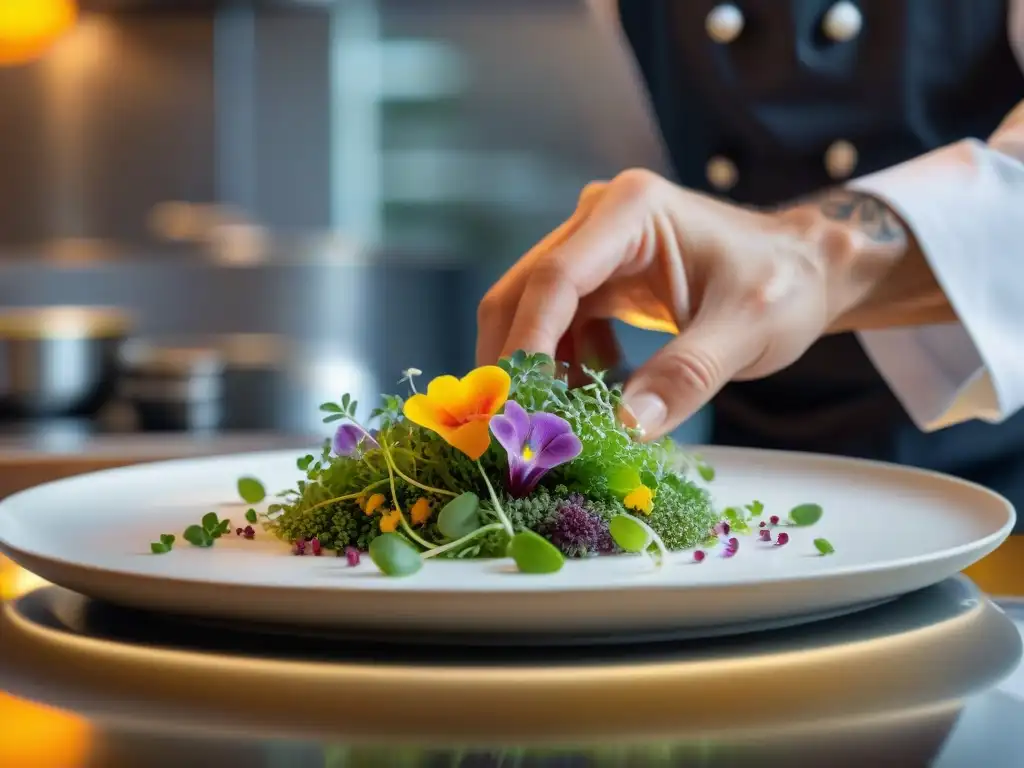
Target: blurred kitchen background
(281, 201)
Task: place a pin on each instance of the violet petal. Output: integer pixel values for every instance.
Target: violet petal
(559, 450)
(346, 439)
(511, 428)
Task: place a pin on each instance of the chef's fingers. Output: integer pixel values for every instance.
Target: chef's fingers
(687, 372)
(498, 307)
(606, 239)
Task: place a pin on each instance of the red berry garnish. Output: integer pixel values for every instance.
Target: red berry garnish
(352, 556)
(698, 556)
(782, 539)
(249, 532)
(299, 548)
(731, 547)
(774, 519)
(315, 544)
(766, 535)
(762, 524)
(721, 529)
(238, 531)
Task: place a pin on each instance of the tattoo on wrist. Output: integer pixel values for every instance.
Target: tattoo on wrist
(865, 212)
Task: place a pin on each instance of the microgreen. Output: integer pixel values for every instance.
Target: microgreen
(477, 506)
(197, 536)
(251, 490)
(634, 535)
(805, 514)
(460, 516)
(535, 554)
(394, 555)
(165, 545)
(250, 515)
(824, 546)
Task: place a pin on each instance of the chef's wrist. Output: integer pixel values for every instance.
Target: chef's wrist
(875, 272)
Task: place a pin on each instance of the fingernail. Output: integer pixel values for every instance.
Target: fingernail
(648, 410)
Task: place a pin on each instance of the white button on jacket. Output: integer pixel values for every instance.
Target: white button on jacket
(842, 22)
(724, 23)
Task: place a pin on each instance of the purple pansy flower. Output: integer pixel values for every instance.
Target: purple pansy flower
(535, 442)
(349, 438)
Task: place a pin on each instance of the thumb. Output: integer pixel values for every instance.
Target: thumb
(687, 372)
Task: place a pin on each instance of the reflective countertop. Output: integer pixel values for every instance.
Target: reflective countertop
(934, 678)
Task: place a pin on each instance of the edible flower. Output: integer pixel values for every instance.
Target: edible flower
(640, 499)
(535, 443)
(420, 511)
(459, 410)
(373, 503)
(348, 439)
(389, 522)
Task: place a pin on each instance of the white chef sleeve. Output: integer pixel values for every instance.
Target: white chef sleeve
(965, 206)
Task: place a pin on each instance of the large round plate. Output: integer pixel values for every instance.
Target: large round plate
(894, 529)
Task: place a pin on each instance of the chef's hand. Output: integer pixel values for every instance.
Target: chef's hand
(745, 293)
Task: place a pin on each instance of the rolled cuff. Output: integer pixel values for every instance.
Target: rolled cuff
(965, 206)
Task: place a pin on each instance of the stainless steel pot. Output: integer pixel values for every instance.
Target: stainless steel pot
(59, 361)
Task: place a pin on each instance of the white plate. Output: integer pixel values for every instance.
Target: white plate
(894, 529)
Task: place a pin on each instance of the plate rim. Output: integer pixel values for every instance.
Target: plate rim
(985, 545)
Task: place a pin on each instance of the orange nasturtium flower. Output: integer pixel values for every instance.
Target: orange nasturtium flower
(420, 511)
(389, 522)
(460, 410)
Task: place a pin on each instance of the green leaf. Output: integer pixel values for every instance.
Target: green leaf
(211, 522)
(756, 508)
(223, 527)
(805, 514)
(345, 400)
(706, 471)
(629, 533)
(167, 539)
(648, 478)
(251, 490)
(304, 462)
(394, 555)
(535, 554)
(622, 480)
(197, 536)
(250, 515)
(334, 417)
(823, 546)
(159, 549)
(330, 408)
(460, 516)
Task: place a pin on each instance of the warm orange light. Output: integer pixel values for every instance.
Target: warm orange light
(29, 27)
(41, 737)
